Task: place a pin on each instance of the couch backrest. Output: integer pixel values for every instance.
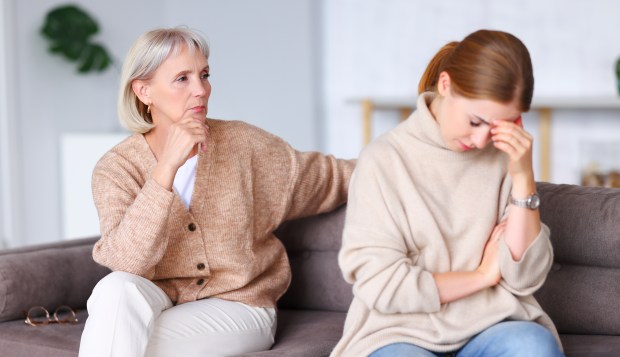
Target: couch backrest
(580, 294)
(60, 273)
(582, 290)
(312, 245)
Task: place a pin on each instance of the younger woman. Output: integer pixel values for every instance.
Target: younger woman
(443, 242)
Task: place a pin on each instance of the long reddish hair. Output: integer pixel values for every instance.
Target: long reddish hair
(486, 64)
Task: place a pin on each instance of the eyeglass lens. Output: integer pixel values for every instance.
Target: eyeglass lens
(64, 314)
(38, 316)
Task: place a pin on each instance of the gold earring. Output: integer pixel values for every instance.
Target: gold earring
(148, 109)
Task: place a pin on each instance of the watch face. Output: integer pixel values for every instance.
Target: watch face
(534, 201)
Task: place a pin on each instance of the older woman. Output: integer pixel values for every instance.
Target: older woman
(187, 208)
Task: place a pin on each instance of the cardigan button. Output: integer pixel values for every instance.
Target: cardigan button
(191, 227)
(200, 266)
(200, 281)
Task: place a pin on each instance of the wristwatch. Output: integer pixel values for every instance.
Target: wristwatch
(530, 202)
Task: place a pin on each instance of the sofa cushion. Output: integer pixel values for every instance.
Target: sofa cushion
(590, 345)
(584, 222)
(582, 289)
(54, 340)
(312, 245)
(57, 274)
(300, 333)
(305, 334)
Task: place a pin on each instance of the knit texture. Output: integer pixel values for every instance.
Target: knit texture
(416, 208)
(247, 183)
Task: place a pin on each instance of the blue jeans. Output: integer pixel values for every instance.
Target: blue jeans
(510, 338)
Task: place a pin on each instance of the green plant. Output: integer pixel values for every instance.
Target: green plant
(69, 29)
(618, 74)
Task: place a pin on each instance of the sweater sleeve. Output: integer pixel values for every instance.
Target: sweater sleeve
(297, 184)
(374, 256)
(319, 183)
(132, 218)
(527, 275)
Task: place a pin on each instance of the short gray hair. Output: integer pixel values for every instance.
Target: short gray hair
(147, 53)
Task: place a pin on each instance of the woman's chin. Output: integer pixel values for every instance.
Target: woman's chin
(199, 116)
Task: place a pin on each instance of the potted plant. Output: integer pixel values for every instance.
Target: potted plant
(618, 74)
(69, 30)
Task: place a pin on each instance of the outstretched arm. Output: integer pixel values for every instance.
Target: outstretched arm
(320, 183)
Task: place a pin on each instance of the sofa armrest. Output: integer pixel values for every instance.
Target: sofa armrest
(47, 275)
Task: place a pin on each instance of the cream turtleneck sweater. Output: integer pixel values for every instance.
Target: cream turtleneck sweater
(416, 208)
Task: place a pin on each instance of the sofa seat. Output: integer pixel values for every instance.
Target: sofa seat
(54, 340)
(319, 331)
(301, 333)
(305, 333)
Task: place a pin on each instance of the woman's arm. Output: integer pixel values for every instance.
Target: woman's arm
(526, 254)
(453, 286)
(320, 183)
(134, 216)
(523, 224)
(308, 183)
(133, 219)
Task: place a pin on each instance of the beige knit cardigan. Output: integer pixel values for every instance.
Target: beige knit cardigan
(247, 184)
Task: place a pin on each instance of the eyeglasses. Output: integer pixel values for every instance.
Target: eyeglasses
(39, 316)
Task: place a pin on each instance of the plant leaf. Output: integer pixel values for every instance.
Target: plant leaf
(69, 29)
(94, 57)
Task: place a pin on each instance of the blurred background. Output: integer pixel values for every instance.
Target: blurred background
(301, 69)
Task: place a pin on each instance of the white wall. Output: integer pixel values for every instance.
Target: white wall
(4, 186)
(9, 202)
(380, 48)
(53, 99)
(289, 66)
(79, 153)
(263, 59)
(263, 62)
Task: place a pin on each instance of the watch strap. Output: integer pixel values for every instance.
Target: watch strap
(532, 201)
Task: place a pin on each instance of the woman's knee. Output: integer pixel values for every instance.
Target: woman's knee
(533, 339)
(401, 349)
(120, 288)
(115, 283)
(518, 338)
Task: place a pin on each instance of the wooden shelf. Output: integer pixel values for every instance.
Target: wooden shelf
(576, 103)
(571, 103)
(544, 105)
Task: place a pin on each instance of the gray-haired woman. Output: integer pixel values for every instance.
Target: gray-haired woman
(187, 207)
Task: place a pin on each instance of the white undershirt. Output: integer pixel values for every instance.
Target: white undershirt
(184, 180)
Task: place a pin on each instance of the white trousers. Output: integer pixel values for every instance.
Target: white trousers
(130, 316)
